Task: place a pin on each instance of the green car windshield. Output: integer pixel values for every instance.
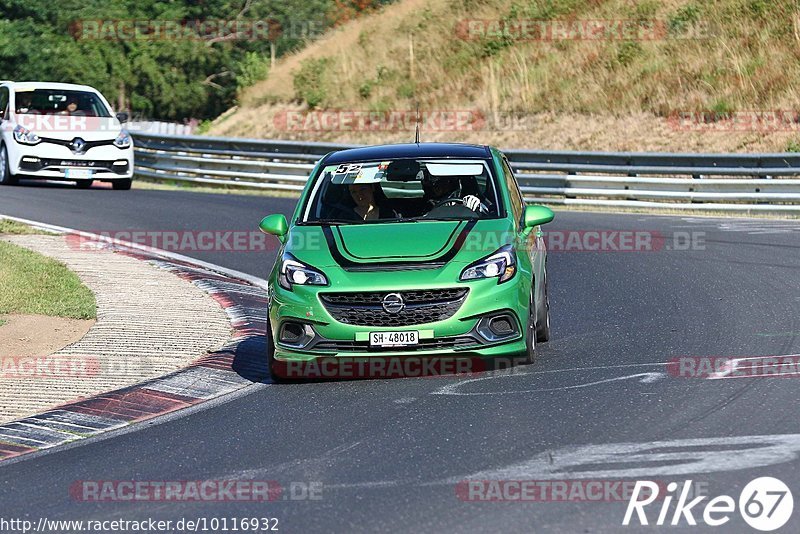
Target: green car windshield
(403, 190)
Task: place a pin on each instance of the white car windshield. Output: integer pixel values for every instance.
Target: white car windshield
(59, 102)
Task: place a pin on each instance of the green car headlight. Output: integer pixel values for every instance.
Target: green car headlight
(294, 272)
(501, 264)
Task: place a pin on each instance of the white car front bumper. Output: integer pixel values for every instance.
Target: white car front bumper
(48, 160)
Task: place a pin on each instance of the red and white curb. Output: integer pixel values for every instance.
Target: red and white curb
(241, 362)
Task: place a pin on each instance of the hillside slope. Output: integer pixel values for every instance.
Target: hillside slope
(571, 74)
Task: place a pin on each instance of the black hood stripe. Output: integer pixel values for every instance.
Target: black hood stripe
(435, 263)
(427, 257)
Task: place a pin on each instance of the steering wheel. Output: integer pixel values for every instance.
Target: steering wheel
(447, 201)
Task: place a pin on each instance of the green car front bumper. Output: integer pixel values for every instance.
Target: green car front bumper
(466, 332)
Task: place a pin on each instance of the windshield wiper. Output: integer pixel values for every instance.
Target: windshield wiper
(370, 221)
(448, 218)
(395, 220)
(333, 221)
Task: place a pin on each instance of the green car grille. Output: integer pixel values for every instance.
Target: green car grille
(366, 308)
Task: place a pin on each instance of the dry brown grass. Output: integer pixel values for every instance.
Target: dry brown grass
(599, 94)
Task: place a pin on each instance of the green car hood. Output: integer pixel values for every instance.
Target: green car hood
(390, 244)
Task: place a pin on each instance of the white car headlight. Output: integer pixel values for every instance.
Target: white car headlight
(501, 264)
(26, 137)
(293, 272)
(123, 140)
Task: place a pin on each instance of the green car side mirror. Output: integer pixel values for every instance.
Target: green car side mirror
(275, 225)
(536, 215)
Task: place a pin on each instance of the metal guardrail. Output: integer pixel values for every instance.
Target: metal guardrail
(715, 182)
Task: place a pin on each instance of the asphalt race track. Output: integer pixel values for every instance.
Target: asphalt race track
(390, 453)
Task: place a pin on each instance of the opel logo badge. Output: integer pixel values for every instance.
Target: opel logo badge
(77, 145)
(393, 303)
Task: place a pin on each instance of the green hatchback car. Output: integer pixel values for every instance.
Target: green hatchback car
(408, 251)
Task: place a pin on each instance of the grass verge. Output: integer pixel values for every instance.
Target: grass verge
(8, 226)
(33, 284)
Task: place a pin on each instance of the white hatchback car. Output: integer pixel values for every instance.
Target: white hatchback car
(59, 131)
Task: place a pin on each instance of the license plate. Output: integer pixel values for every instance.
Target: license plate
(80, 174)
(393, 339)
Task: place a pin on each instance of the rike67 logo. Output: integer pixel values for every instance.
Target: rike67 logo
(765, 504)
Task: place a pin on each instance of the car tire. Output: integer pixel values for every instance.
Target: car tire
(122, 185)
(530, 333)
(84, 184)
(543, 316)
(6, 178)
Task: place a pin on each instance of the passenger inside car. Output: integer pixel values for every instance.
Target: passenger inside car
(358, 201)
(24, 103)
(370, 202)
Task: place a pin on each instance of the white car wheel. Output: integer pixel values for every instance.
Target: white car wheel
(6, 178)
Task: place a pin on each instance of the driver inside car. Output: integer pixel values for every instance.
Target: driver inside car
(441, 188)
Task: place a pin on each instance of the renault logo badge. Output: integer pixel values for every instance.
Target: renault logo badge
(77, 145)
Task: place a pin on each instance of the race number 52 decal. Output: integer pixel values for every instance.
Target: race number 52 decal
(348, 168)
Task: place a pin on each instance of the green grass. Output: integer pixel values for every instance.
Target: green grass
(35, 285)
(14, 228)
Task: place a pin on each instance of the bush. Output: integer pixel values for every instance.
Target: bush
(683, 19)
(309, 81)
(406, 89)
(722, 108)
(365, 90)
(253, 68)
(628, 51)
(203, 127)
